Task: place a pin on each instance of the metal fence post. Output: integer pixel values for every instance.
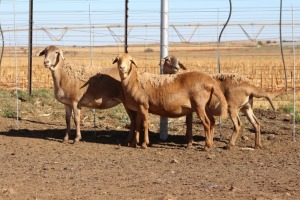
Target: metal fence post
(164, 23)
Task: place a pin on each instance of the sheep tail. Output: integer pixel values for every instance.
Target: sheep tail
(223, 103)
(263, 94)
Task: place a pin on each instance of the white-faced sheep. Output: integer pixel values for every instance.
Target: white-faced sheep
(79, 86)
(168, 96)
(239, 93)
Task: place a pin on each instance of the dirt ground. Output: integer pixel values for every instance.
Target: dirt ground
(35, 164)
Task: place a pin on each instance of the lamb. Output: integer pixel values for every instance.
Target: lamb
(79, 86)
(239, 93)
(168, 96)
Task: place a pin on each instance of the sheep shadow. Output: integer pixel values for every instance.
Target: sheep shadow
(56, 133)
(179, 142)
(91, 136)
(112, 137)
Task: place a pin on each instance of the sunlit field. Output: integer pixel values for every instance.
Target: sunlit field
(261, 63)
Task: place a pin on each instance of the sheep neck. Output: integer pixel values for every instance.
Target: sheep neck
(132, 87)
(128, 82)
(57, 75)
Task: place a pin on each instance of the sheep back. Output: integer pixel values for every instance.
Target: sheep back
(175, 94)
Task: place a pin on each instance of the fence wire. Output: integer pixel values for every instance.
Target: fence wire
(93, 33)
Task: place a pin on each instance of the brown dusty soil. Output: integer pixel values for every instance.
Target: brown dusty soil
(35, 164)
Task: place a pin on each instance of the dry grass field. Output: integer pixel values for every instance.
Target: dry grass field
(262, 64)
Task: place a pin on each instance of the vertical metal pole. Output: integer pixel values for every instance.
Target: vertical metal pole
(164, 25)
(91, 49)
(91, 60)
(30, 47)
(126, 27)
(2, 49)
(281, 47)
(16, 64)
(218, 45)
(219, 65)
(294, 75)
(219, 70)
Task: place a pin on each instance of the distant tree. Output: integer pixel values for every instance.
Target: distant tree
(149, 50)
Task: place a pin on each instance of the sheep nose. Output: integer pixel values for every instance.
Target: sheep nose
(46, 62)
(122, 67)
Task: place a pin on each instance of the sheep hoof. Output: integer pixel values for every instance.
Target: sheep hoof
(132, 144)
(258, 147)
(76, 140)
(206, 148)
(66, 140)
(144, 146)
(228, 146)
(209, 148)
(208, 145)
(189, 145)
(126, 143)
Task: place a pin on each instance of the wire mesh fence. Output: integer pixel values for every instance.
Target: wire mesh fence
(92, 33)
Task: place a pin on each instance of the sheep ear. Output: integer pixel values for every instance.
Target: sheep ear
(133, 62)
(162, 61)
(61, 54)
(41, 53)
(167, 58)
(181, 66)
(115, 60)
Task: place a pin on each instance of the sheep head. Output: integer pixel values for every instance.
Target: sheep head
(125, 63)
(172, 65)
(52, 56)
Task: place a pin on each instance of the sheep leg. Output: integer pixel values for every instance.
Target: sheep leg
(206, 124)
(132, 116)
(255, 123)
(145, 126)
(189, 132)
(77, 122)
(212, 124)
(68, 110)
(237, 127)
(137, 129)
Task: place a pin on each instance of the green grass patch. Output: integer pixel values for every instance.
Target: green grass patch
(43, 93)
(9, 112)
(28, 105)
(289, 108)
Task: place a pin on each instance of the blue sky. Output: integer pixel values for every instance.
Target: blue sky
(72, 13)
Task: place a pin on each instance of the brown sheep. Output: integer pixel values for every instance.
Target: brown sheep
(80, 86)
(239, 93)
(172, 65)
(168, 96)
